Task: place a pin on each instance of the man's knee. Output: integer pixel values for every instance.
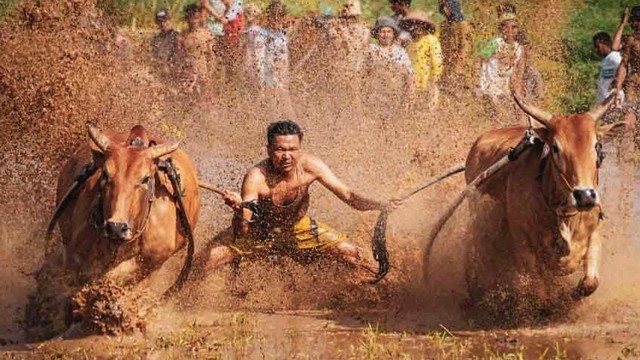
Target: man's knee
(349, 250)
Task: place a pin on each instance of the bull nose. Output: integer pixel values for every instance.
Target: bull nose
(586, 198)
(117, 230)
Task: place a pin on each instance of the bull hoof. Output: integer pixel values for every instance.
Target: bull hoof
(586, 287)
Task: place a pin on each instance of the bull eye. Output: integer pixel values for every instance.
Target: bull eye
(145, 180)
(555, 148)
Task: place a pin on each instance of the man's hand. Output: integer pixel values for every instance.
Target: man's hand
(625, 17)
(391, 205)
(233, 200)
(619, 99)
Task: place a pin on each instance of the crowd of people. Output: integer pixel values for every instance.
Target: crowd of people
(402, 62)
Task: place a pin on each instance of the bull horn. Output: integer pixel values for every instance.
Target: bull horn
(101, 140)
(539, 115)
(164, 149)
(597, 111)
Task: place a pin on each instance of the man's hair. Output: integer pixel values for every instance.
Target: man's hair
(283, 127)
(602, 37)
(191, 10)
(401, 2)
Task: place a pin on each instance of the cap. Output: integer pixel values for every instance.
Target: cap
(385, 22)
(162, 15)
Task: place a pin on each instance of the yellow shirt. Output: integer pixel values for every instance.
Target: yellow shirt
(426, 57)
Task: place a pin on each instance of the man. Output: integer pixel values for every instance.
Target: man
(271, 215)
(457, 42)
(628, 74)
(164, 43)
(609, 65)
(400, 9)
(199, 60)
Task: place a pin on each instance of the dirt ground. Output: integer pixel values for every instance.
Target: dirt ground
(59, 67)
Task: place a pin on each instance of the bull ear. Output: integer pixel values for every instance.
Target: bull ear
(98, 139)
(163, 149)
(607, 132)
(537, 114)
(597, 111)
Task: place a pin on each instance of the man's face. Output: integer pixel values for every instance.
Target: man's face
(635, 23)
(385, 36)
(399, 7)
(509, 30)
(600, 48)
(285, 152)
(162, 24)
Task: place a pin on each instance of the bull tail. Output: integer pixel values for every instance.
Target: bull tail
(456, 203)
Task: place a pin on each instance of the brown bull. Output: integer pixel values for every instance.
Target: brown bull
(548, 198)
(123, 222)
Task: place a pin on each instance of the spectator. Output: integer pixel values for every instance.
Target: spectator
(196, 45)
(164, 43)
(353, 33)
(400, 9)
(503, 69)
(214, 7)
(389, 72)
(424, 52)
(456, 37)
(628, 77)
(255, 47)
(609, 65)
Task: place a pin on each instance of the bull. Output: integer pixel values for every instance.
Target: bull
(547, 201)
(123, 222)
(126, 203)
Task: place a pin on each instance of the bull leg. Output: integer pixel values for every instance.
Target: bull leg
(590, 282)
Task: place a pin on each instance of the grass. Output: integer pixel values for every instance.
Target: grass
(5, 7)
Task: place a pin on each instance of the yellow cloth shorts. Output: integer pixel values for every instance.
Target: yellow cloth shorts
(306, 234)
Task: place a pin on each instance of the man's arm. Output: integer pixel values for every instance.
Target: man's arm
(250, 192)
(621, 74)
(357, 201)
(616, 45)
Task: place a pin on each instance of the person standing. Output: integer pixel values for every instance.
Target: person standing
(628, 78)
(456, 36)
(425, 54)
(503, 69)
(608, 66)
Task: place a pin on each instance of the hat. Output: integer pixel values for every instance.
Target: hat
(352, 8)
(506, 17)
(252, 10)
(416, 17)
(385, 22)
(162, 16)
(635, 13)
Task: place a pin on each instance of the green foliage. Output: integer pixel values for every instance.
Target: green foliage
(582, 61)
(6, 6)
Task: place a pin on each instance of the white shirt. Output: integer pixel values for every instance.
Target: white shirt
(608, 69)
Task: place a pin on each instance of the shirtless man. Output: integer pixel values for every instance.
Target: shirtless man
(628, 75)
(271, 215)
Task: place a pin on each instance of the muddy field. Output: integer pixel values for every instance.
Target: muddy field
(59, 68)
